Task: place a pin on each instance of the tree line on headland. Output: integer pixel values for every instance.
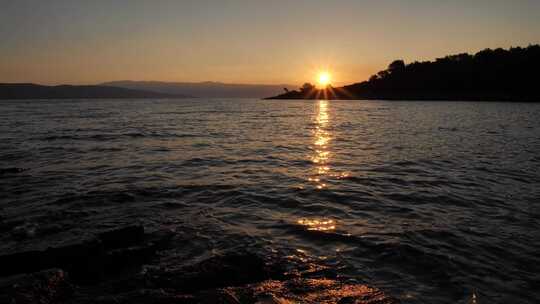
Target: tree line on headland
(489, 75)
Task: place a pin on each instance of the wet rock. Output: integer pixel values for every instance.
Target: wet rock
(309, 291)
(6, 171)
(219, 271)
(24, 231)
(8, 225)
(271, 299)
(49, 229)
(122, 237)
(82, 260)
(48, 286)
(129, 259)
(247, 278)
(310, 269)
(216, 296)
(140, 296)
(92, 259)
(108, 270)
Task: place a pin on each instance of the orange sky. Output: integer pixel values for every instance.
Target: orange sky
(247, 41)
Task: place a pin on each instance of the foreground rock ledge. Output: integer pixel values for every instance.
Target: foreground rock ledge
(300, 290)
(125, 266)
(47, 286)
(309, 291)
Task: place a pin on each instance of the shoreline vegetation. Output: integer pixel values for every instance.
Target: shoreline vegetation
(489, 75)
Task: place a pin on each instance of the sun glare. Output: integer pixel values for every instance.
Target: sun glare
(323, 79)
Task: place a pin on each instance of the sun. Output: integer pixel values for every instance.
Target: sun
(323, 79)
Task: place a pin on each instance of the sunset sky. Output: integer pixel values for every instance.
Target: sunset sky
(249, 41)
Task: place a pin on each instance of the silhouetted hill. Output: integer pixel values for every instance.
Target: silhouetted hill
(35, 91)
(505, 75)
(204, 89)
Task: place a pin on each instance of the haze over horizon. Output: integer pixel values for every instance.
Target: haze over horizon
(251, 42)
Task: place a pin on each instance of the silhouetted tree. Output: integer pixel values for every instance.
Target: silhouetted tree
(396, 66)
(383, 74)
(307, 87)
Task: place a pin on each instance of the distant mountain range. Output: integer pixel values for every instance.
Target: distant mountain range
(489, 75)
(204, 89)
(35, 91)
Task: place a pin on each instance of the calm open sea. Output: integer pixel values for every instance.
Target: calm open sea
(430, 201)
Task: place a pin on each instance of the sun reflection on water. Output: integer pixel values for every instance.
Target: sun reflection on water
(322, 174)
(318, 225)
(321, 140)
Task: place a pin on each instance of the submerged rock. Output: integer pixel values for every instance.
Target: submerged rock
(91, 259)
(137, 296)
(48, 286)
(6, 171)
(239, 278)
(24, 231)
(108, 269)
(122, 237)
(309, 291)
(215, 272)
(82, 260)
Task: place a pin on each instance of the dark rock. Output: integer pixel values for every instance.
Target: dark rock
(217, 296)
(139, 296)
(48, 286)
(82, 260)
(24, 231)
(130, 259)
(90, 260)
(6, 171)
(127, 259)
(8, 225)
(108, 273)
(309, 291)
(123, 237)
(347, 300)
(219, 271)
(49, 229)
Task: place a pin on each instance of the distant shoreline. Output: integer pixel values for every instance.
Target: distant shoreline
(26, 91)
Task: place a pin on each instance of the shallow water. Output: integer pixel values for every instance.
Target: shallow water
(430, 201)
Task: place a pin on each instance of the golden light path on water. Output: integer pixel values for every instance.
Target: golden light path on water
(322, 170)
(322, 138)
(318, 225)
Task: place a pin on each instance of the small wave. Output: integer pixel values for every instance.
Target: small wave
(111, 137)
(11, 171)
(450, 129)
(425, 265)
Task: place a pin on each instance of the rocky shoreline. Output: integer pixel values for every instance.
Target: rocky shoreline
(126, 265)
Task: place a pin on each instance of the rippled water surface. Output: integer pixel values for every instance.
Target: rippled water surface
(430, 201)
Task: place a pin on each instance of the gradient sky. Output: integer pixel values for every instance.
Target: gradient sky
(251, 41)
